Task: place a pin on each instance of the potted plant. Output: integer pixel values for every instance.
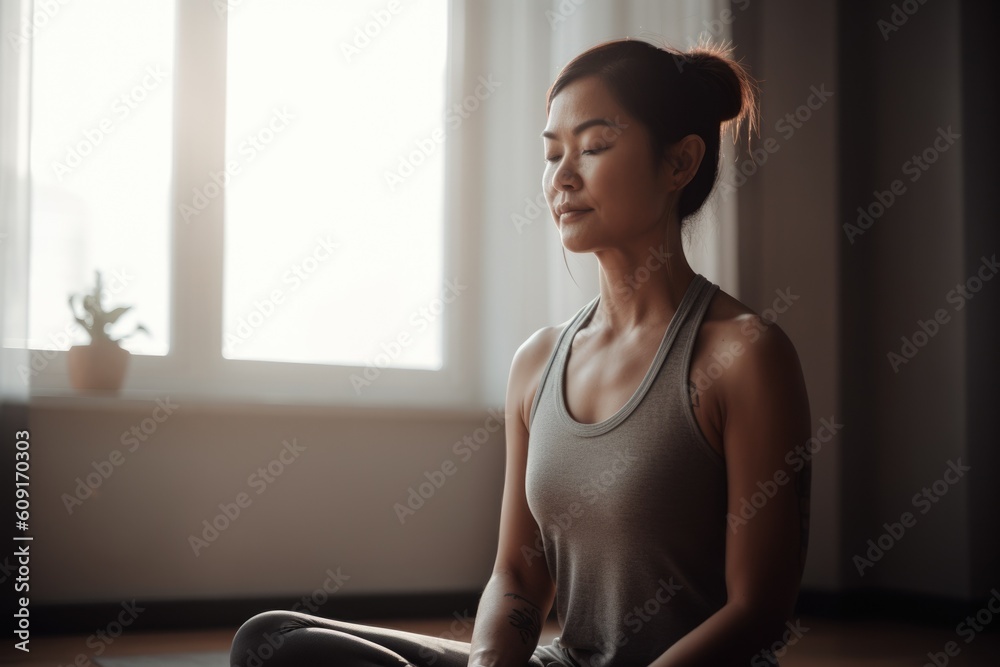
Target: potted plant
(101, 364)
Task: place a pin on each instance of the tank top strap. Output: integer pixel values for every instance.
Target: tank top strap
(686, 337)
(564, 336)
(691, 307)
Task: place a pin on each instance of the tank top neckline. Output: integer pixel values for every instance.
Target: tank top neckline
(598, 428)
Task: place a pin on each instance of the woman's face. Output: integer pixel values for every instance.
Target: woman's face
(599, 160)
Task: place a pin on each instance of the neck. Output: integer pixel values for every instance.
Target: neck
(642, 284)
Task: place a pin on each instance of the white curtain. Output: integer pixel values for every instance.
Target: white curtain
(523, 44)
(15, 56)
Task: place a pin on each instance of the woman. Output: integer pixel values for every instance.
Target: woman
(652, 490)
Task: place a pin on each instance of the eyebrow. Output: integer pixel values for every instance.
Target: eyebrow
(584, 125)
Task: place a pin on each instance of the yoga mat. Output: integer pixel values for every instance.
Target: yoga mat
(212, 659)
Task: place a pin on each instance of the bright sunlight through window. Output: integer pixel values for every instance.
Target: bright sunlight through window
(100, 167)
(334, 178)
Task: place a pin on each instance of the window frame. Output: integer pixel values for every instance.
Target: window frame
(195, 366)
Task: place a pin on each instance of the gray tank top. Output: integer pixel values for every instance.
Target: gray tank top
(631, 510)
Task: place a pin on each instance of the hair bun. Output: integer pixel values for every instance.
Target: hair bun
(726, 83)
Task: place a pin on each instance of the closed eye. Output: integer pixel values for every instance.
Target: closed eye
(589, 151)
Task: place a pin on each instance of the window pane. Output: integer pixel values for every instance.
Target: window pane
(335, 130)
(100, 168)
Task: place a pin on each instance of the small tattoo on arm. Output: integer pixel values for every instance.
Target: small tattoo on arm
(695, 394)
(527, 620)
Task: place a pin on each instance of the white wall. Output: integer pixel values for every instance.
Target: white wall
(332, 507)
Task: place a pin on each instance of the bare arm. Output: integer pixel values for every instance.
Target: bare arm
(766, 417)
(508, 624)
(519, 594)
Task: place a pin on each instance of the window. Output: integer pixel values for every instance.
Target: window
(100, 167)
(333, 221)
(274, 200)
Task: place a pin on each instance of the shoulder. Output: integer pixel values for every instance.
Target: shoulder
(755, 350)
(526, 368)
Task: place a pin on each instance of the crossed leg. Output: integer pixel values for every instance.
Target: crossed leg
(295, 639)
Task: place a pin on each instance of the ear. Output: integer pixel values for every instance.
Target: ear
(683, 159)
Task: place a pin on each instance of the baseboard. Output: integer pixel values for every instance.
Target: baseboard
(178, 615)
(882, 604)
(175, 615)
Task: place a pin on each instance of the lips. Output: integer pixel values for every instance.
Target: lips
(570, 216)
(564, 209)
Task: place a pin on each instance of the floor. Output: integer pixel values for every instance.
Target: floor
(824, 643)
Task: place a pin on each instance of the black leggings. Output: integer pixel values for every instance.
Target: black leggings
(294, 639)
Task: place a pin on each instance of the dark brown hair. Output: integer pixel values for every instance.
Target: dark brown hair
(674, 94)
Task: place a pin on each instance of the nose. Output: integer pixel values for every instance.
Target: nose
(566, 178)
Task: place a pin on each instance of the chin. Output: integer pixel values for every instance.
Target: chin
(576, 243)
(587, 235)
